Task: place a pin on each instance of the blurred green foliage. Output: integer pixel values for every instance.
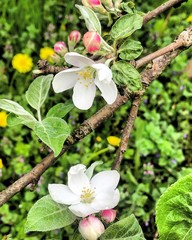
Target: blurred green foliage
(160, 144)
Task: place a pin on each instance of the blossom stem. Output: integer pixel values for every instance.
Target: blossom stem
(87, 161)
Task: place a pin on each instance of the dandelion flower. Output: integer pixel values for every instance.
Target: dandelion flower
(3, 119)
(1, 163)
(114, 141)
(189, 19)
(45, 53)
(22, 63)
(85, 194)
(84, 78)
(98, 139)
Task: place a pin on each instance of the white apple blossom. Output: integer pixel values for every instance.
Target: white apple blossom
(86, 195)
(84, 78)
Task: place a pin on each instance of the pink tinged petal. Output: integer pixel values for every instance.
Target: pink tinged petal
(82, 209)
(84, 94)
(110, 178)
(65, 80)
(77, 182)
(60, 193)
(104, 200)
(104, 73)
(108, 90)
(78, 60)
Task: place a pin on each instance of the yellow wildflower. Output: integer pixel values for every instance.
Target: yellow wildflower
(189, 19)
(45, 53)
(22, 63)
(114, 141)
(98, 139)
(3, 119)
(1, 163)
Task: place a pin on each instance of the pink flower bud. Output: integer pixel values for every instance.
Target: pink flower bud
(91, 3)
(109, 215)
(75, 36)
(92, 41)
(59, 47)
(94, 3)
(91, 228)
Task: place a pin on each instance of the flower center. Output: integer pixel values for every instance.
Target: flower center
(86, 76)
(87, 195)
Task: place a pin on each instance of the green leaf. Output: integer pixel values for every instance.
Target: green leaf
(125, 229)
(130, 49)
(13, 107)
(125, 74)
(52, 131)
(47, 215)
(126, 25)
(174, 211)
(60, 110)
(14, 120)
(91, 20)
(38, 90)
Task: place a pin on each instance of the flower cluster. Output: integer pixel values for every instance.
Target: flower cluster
(148, 169)
(87, 195)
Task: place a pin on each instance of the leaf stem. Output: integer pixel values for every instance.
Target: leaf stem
(39, 115)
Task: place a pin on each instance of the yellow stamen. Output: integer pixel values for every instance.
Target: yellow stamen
(86, 76)
(87, 195)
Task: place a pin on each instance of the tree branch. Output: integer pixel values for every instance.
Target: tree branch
(183, 40)
(162, 8)
(126, 132)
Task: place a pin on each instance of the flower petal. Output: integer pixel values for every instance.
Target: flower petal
(108, 90)
(77, 168)
(110, 178)
(104, 73)
(65, 79)
(83, 95)
(115, 200)
(60, 193)
(78, 60)
(77, 181)
(106, 200)
(82, 209)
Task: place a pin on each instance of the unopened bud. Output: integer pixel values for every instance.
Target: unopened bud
(91, 3)
(95, 5)
(92, 41)
(107, 3)
(91, 228)
(60, 48)
(108, 215)
(117, 3)
(55, 58)
(75, 36)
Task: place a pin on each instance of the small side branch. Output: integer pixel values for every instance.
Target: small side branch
(126, 132)
(162, 8)
(183, 40)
